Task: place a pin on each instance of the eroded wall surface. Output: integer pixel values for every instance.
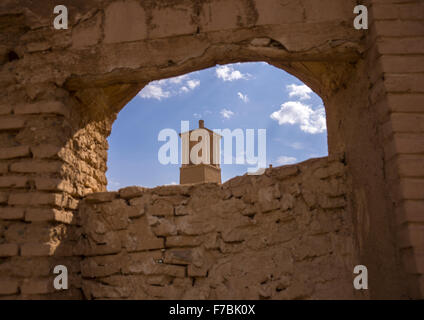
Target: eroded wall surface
(62, 89)
(284, 235)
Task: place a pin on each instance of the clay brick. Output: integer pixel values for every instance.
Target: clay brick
(37, 249)
(408, 143)
(5, 109)
(48, 214)
(9, 250)
(182, 241)
(13, 181)
(8, 286)
(45, 151)
(412, 188)
(3, 197)
(406, 102)
(101, 197)
(9, 213)
(36, 198)
(36, 286)
(161, 208)
(53, 184)
(12, 123)
(4, 167)
(14, 152)
(36, 166)
(55, 107)
(410, 211)
(397, 28)
(413, 260)
(405, 11)
(404, 83)
(401, 46)
(410, 165)
(402, 64)
(131, 192)
(411, 235)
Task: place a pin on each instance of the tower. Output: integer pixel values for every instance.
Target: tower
(200, 156)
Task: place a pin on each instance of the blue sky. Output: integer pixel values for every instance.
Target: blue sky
(242, 95)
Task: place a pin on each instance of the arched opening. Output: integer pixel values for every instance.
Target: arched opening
(236, 96)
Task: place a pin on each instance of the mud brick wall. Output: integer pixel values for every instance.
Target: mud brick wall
(284, 235)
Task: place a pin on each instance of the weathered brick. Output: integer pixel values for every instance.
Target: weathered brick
(48, 214)
(13, 181)
(100, 197)
(410, 211)
(8, 286)
(36, 166)
(53, 184)
(55, 107)
(14, 152)
(37, 249)
(12, 123)
(36, 198)
(45, 151)
(36, 286)
(4, 167)
(9, 213)
(9, 250)
(412, 188)
(5, 109)
(3, 197)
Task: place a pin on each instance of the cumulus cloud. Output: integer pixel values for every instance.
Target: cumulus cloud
(167, 88)
(295, 112)
(227, 114)
(303, 92)
(243, 97)
(193, 83)
(154, 91)
(286, 160)
(228, 73)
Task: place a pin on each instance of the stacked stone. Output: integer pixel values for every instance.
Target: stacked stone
(286, 234)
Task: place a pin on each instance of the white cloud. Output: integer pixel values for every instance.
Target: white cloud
(227, 73)
(243, 97)
(227, 114)
(302, 91)
(179, 79)
(167, 88)
(295, 112)
(197, 115)
(193, 83)
(286, 160)
(154, 91)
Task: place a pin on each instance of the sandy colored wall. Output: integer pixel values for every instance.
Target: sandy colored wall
(284, 235)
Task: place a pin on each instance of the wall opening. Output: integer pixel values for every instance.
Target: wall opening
(252, 95)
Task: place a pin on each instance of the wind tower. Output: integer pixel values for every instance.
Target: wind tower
(200, 156)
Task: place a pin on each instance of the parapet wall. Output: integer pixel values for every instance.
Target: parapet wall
(284, 235)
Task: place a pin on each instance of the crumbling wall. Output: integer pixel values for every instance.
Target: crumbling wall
(284, 235)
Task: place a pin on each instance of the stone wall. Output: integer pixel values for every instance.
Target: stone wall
(284, 235)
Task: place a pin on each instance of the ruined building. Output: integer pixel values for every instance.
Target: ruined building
(294, 232)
